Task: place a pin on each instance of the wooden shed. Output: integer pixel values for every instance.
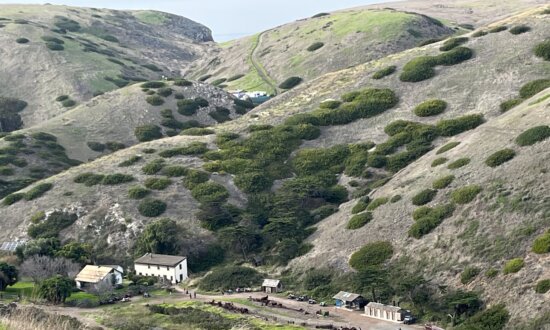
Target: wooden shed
(272, 286)
(349, 300)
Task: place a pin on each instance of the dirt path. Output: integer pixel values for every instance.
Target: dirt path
(262, 72)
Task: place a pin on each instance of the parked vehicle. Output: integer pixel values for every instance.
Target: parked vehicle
(409, 319)
(291, 296)
(311, 301)
(322, 303)
(302, 298)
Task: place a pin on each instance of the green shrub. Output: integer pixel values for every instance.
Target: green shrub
(533, 135)
(210, 192)
(424, 197)
(468, 274)
(443, 182)
(427, 219)
(507, 105)
(230, 277)
(500, 157)
(396, 199)
(377, 203)
(543, 50)
(117, 178)
(37, 191)
(453, 43)
(330, 104)
(193, 149)
(66, 24)
(147, 132)
(53, 40)
(422, 68)
(6, 171)
(187, 107)
(423, 226)
(429, 42)
(166, 91)
(451, 127)
(54, 46)
(290, 83)
(153, 84)
(96, 146)
(253, 182)
(12, 198)
(130, 161)
(114, 146)
(491, 272)
(157, 183)
(235, 77)
(153, 167)
(513, 266)
(359, 220)
(465, 194)
(439, 161)
(244, 104)
(493, 318)
(519, 29)
(151, 207)
(197, 131)
(311, 161)
(542, 286)
(479, 33)
(359, 207)
(430, 108)
(52, 226)
(534, 87)
(174, 171)
(384, 72)
(458, 163)
(152, 67)
(89, 179)
(447, 147)
(194, 178)
(37, 217)
(155, 100)
(314, 46)
(498, 29)
(68, 103)
(372, 254)
(218, 82)
(541, 244)
(220, 115)
(22, 40)
(138, 192)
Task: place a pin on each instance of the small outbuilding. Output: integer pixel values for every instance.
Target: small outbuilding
(385, 312)
(272, 286)
(91, 276)
(349, 300)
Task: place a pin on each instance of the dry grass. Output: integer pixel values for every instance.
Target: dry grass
(30, 318)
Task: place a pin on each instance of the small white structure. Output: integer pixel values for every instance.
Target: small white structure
(272, 286)
(91, 275)
(171, 268)
(385, 312)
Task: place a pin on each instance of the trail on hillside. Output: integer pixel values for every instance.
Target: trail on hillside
(262, 72)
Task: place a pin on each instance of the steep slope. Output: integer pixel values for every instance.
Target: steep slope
(311, 47)
(82, 52)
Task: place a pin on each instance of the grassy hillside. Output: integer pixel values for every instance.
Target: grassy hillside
(83, 52)
(311, 47)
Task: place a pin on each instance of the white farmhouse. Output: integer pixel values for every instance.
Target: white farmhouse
(171, 268)
(91, 276)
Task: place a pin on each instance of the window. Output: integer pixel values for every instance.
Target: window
(171, 278)
(140, 274)
(167, 268)
(148, 266)
(158, 267)
(180, 266)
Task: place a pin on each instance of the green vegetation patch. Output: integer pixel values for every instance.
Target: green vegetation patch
(422, 68)
(38, 191)
(479, 33)
(507, 105)
(210, 192)
(193, 149)
(220, 114)
(469, 274)
(89, 179)
(155, 100)
(372, 254)
(359, 207)
(543, 50)
(22, 40)
(153, 167)
(519, 29)
(253, 182)
(314, 46)
(443, 182)
(377, 203)
(174, 171)
(157, 183)
(116, 179)
(138, 192)
(153, 84)
(430, 108)
(461, 162)
(542, 286)
(290, 83)
(427, 219)
(465, 194)
(130, 161)
(424, 197)
(541, 244)
(452, 43)
(513, 266)
(389, 70)
(229, 277)
(439, 161)
(147, 132)
(359, 220)
(151, 207)
(533, 135)
(534, 87)
(330, 104)
(500, 157)
(498, 29)
(52, 226)
(451, 127)
(447, 147)
(197, 131)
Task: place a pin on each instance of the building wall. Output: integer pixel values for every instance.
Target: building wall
(173, 274)
(383, 314)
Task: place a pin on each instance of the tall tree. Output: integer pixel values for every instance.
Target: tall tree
(163, 236)
(56, 289)
(8, 275)
(239, 239)
(39, 268)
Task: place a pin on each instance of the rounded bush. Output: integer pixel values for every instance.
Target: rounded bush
(423, 226)
(153, 84)
(22, 40)
(174, 171)
(519, 29)
(37, 191)
(543, 50)
(534, 87)
(542, 286)
(290, 83)
(443, 182)
(372, 254)
(314, 46)
(500, 157)
(210, 192)
(507, 105)
(166, 91)
(138, 192)
(68, 103)
(513, 266)
(461, 162)
(359, 220)
(498, 29)
(377, 203)
(89, 179)
(439, 161)
(430, 108)
(447, 147)
(157, 183)
(453, 43)
(451, 127)
(147, 133)
(419, 69)
(151, 207)
(12, 198)
(155, 100)
(117, 178)
(54, 46)
(468, 274)
(153, 167)
(541, 244)
(359, 207)
(479, 33)
(465, 194)
(424, 197)
(197, 131)
(253, 182)
(330, 104)
(491, 272)
(533, 135)
(384, 72)
(235, 77)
